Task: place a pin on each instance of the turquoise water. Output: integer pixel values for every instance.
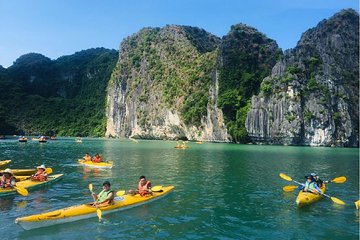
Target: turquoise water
(222, 191)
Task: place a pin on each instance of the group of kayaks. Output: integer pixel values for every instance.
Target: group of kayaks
(74, 213)
(24, 182)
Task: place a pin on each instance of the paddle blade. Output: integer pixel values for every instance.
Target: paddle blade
(99, 214)
(284, 176)
(338, 201)
(357, 204)
(289, 188)
(90, 187)
(49, 170)
(120, 193)
(341, 179)
(156, 188)
(22, 191)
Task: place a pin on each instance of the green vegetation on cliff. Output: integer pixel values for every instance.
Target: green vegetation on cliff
(247, 57)
(64, 97)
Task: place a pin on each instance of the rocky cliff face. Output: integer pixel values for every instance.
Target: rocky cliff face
(312, 95)
(165, 86)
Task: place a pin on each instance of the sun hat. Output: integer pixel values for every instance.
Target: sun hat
(8, 170)
(42, 166)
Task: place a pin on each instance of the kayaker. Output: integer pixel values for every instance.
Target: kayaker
(317, 179)
(87, 157)
(40, 175)
(144, 187)
(7, 180)
(97, 158)
(310, 185)
(105, 197)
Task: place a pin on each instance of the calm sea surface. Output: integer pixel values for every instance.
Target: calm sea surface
(222, 191)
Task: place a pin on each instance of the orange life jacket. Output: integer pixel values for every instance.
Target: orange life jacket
(40, 176)
(7, 182)
(144, 190)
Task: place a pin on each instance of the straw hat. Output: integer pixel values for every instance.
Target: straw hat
(8, 170)
(42, 166)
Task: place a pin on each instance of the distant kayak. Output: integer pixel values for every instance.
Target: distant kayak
(4, 162)
(306, 198)
(181, 147)
(84, 211)
(30, 185)
(108, 164)
(23, 139)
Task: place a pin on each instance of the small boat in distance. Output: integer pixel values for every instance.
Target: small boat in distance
(42, 139)
(23, 139)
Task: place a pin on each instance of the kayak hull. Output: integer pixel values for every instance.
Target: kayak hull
(31, 185)
(84, 211)
(96, 165)
(307, 198)
(4, 162)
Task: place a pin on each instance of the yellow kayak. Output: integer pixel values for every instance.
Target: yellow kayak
(4, 162)
(30, 185)
(181, 147)
(84, 211)
(96, 165)
(306, 198)
(25, 172)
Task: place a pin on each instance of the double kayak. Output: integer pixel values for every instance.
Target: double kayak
(96, 165)
(30, 185)
(306, 198)
(4, 162)
(84, 211)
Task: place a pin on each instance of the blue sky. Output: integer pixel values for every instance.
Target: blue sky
(62, 27)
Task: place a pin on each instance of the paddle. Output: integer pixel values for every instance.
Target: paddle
(22, 191)
(120, 193)
(357, 204)
(290, 188)
(156, 188)
(98, 211)
(334, 199)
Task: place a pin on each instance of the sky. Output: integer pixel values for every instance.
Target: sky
(56, 28)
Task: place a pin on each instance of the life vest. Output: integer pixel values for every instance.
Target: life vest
(310, 187)
(97, 160)
(144, 190)
(40, 176)
(103, 195)
(7, 182)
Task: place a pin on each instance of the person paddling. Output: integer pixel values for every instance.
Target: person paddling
(310, 185)
(105, 197)
(144, 187)
(7, 180)
(87, 157)
(40, 175)
(97, 158)
(317, 179)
